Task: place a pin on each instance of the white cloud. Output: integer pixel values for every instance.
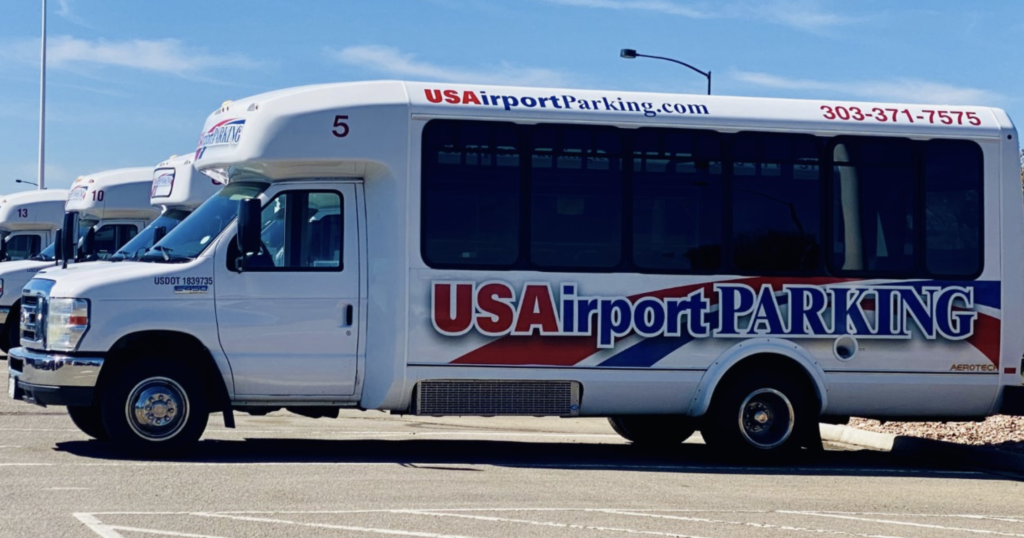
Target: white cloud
(807, 15)
(169, 56)
(65, 12)
(900, 89)
(393, 62)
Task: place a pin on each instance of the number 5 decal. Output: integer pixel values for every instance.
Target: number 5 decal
(340, 126)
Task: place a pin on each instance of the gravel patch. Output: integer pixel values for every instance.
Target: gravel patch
(1000, 432)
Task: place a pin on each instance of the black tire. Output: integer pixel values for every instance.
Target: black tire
(88, 419)
(173, 422)
(11, 337)
(654, 430)
(760, 412)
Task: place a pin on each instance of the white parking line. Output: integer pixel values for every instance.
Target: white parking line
(547, 524)
(743, 523)
(904, 523)
(329, 526)
(110, 531)
(105, 530)
(1007, 519)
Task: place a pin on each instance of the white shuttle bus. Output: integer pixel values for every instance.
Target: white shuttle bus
(107, 208)
(29, 221)
(745, 267)
(177, 190)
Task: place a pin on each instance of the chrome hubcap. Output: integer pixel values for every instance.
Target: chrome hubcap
(766, 418)
(157, 408)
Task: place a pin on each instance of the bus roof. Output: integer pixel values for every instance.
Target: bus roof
(122, 193)
(32, 210)
(308, 123)
(177, 184)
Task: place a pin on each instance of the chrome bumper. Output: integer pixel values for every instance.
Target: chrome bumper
(52, 369)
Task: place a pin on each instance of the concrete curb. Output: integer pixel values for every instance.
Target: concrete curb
(943, 451)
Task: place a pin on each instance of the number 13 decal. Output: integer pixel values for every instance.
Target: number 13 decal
(340, 126)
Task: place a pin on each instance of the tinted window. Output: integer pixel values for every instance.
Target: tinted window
(301, 230)
(874, 188)
(111, 237)
(575, 197)
(21, 247)
(677, 200)
(471, 184)
(952, 217)
(776, 203)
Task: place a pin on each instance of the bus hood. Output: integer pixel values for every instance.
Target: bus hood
(14, 276)
(135, 281)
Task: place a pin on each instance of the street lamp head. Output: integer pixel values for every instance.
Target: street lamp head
(627, 53)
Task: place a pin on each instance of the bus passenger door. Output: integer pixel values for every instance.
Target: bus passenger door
(288, 322)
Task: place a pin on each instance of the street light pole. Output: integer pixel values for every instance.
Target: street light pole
(42, 105)
(23, 181)
(630, 54)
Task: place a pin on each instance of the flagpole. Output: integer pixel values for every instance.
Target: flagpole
(42, 105)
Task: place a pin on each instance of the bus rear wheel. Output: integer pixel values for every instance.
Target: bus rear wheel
(154, 408)
(653, 430)
(760, 413)
(88, 419)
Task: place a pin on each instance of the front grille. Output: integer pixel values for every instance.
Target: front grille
(477, 397)
(33, 313)
(31, 319)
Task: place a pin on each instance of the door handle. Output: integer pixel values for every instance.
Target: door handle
(348, 315)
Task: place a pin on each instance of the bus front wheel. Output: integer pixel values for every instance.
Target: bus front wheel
(154, 407)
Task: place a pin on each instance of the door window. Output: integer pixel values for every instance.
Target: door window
(21, 247)
(302, 231)
(111, 237)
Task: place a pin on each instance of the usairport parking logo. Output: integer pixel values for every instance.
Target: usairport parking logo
(225, 133)
(494, 308)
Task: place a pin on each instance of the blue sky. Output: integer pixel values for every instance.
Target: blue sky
(131, 82)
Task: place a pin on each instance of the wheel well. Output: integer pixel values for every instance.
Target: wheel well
(183, 347)
(775, 363)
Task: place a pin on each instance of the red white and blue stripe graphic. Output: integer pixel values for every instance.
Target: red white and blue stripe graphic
(530, 327)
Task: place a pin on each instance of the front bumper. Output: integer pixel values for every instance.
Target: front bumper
(51, 378)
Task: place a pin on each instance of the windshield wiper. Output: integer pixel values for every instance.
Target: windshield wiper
(168, 254)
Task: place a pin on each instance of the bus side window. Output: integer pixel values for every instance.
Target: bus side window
(776, 203)
(677, 200)
(874, 195)
(471, 194)
(953, 176)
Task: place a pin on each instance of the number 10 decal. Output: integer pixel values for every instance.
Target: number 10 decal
(97, 196)
(340, 126)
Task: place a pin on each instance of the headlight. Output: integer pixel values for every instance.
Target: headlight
(66, 322)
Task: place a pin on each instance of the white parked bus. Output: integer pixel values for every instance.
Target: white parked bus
(28, 221)
(177, 190)
(740, 266)
(107, 208)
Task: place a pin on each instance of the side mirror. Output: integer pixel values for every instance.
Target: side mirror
(87, 246)
(4, 256)
(248, 237)
(58, 245)
(67, 243)
(158, 233)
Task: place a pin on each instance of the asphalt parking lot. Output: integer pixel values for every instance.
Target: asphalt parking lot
(371, 474)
